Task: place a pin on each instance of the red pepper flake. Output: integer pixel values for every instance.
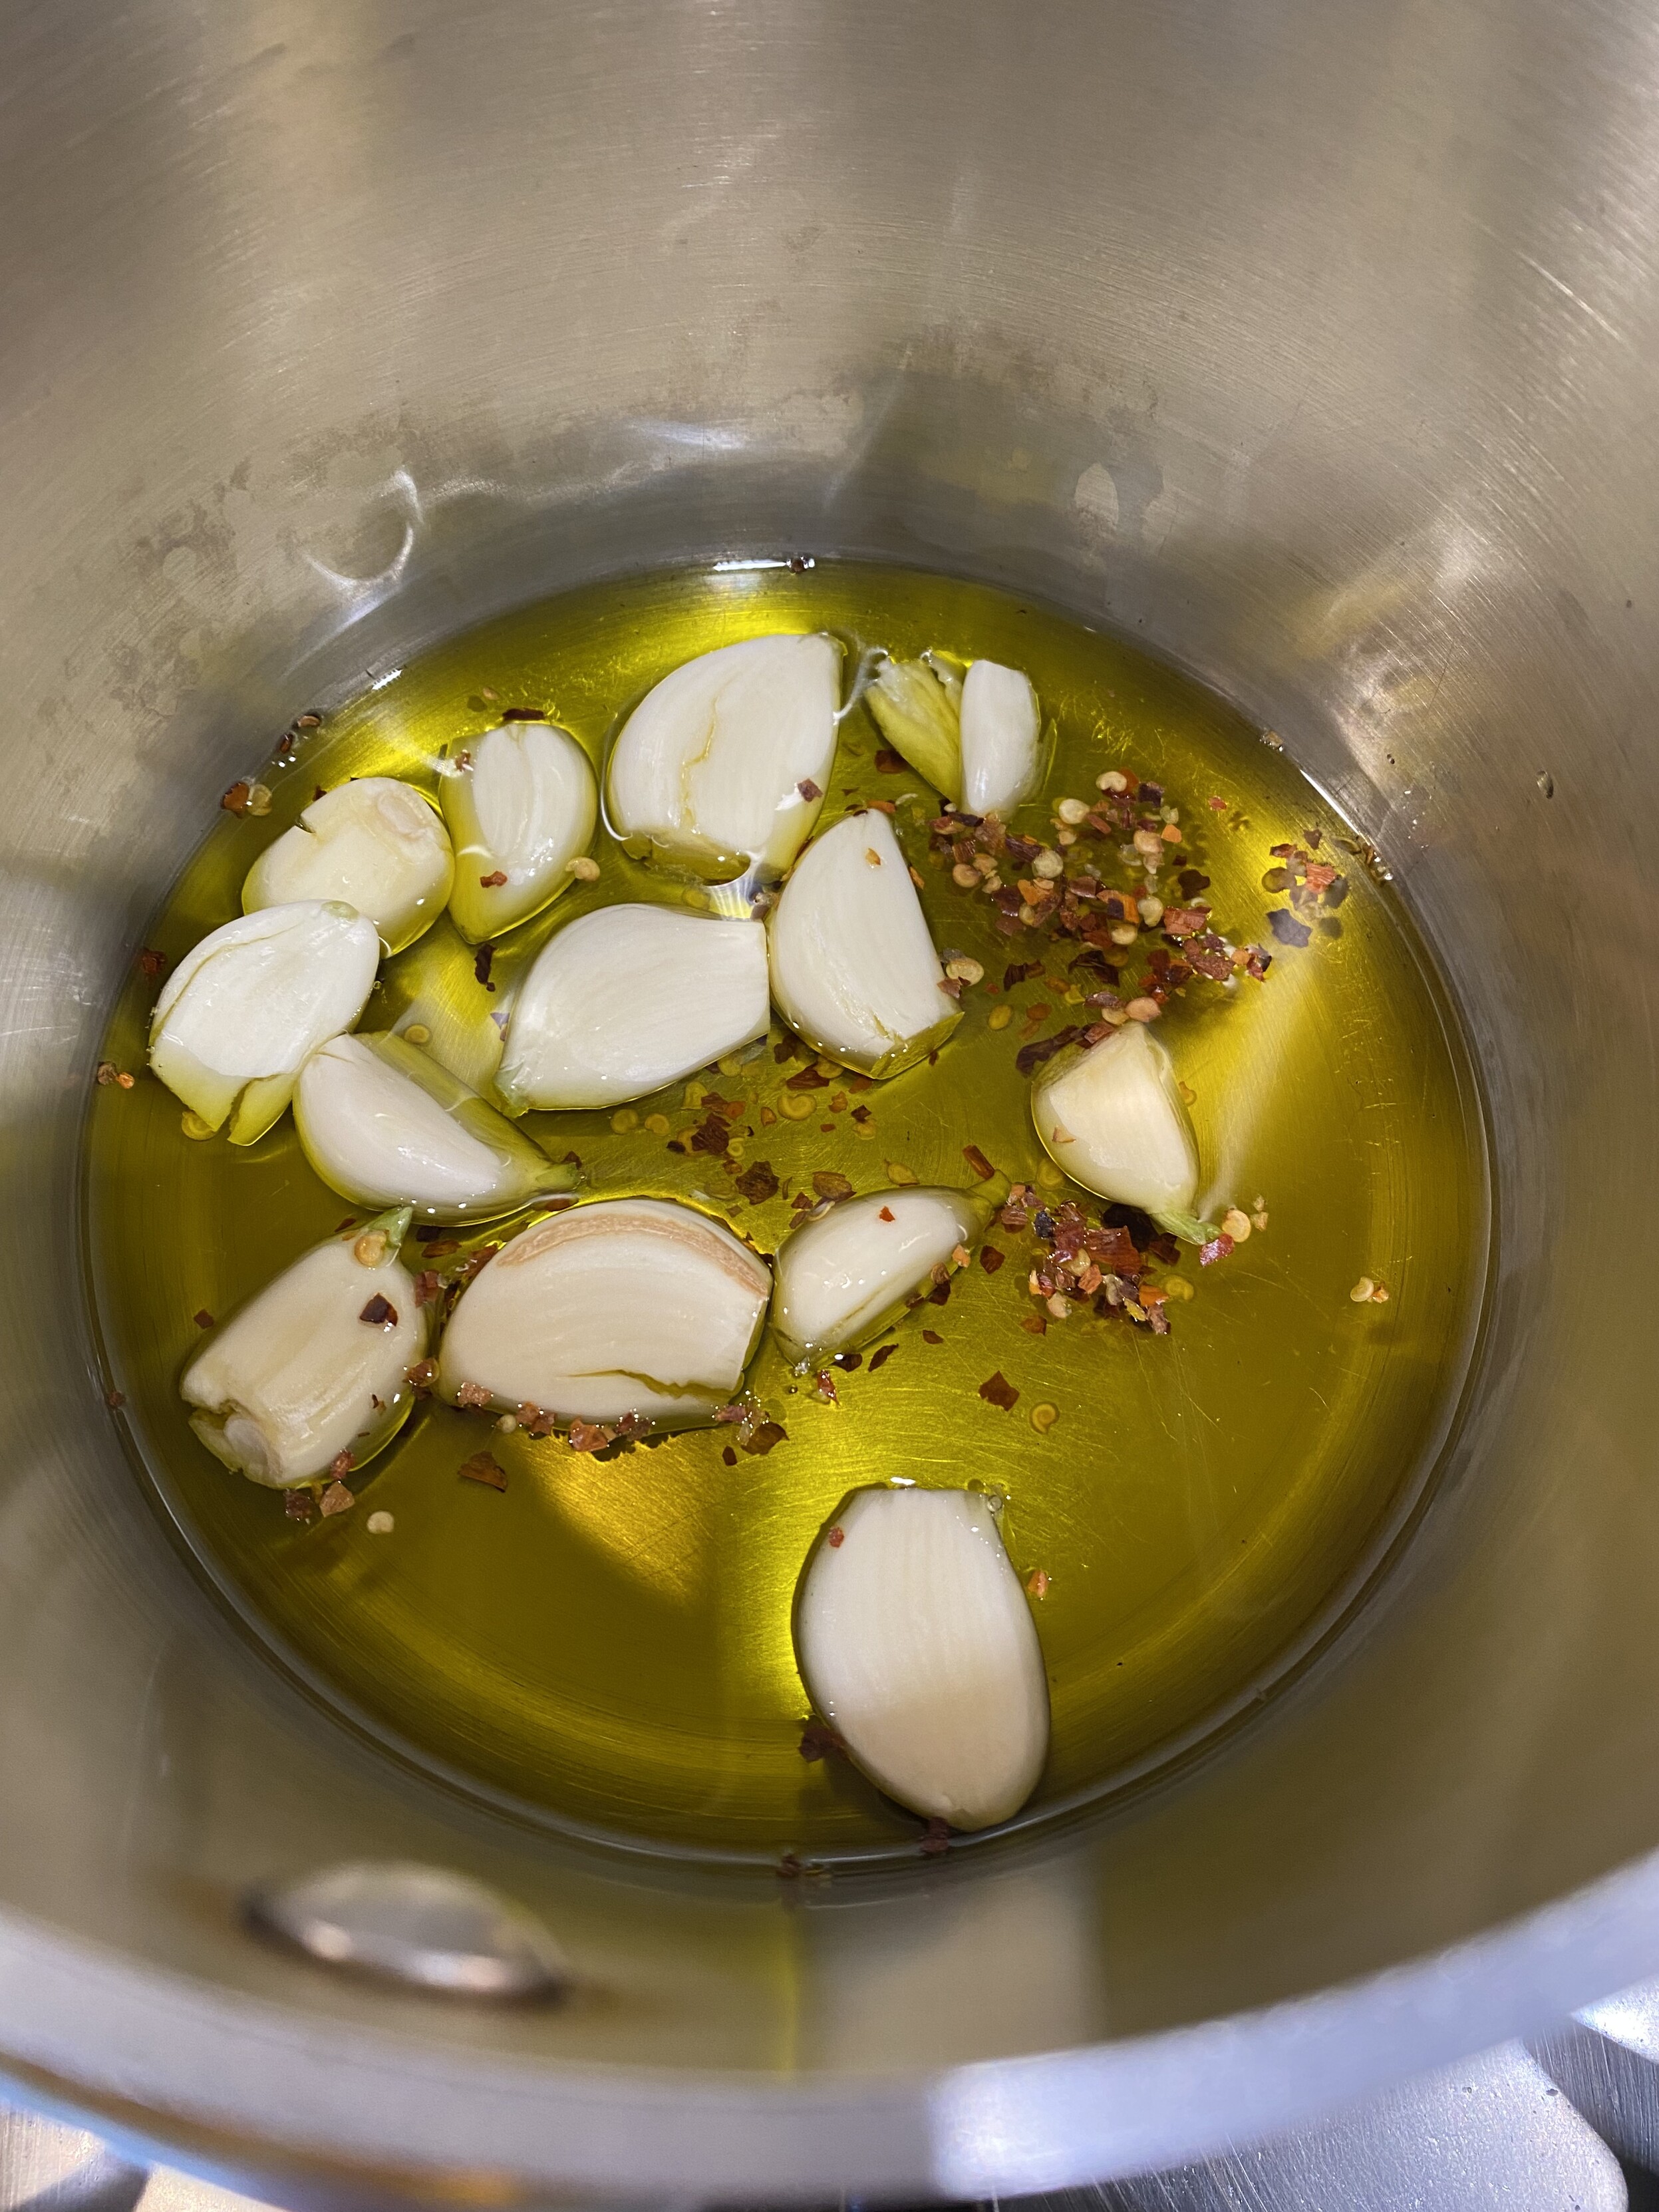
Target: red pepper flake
(758, 1184)
(990, 1258)
(1033, 1055)
(1034, 1325)
(203, 1319)
(887, 1215)
(977, 1160)
(936, 1841)
(808, 790)
(932, 1336)
(825, 1390)
(766, 1438)
(1185, 921)
(1017, 970)
(299, 1505)
(524, 713)
(888, 763)
(151, 963)
(590, 1435)
(483, 961)
(807, 1080)
(728, 1456)
(473, 1393)
(818, 1740)
(829, 1184)
(114, 1400)
(441, 1247)
(493, 881)
(847, 1361)
(835, 1538)
(1217, 1249)
(939, 1295)
(1039, 1582)
(711, 1135)
(235, 799)
(485, 1469)
(998, 1390)
(380, 1312)
(337, 1499)
(421, 1377)
(341, 1465)
(880, 1359)
(428, 1288)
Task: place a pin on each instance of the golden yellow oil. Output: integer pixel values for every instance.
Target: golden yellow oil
(606, 1643)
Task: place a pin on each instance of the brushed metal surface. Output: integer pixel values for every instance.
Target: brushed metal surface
(1313, 346)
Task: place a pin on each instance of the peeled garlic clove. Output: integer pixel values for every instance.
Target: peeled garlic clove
(1112, 1115)
(632, 1305)
(238, 1016)
(375, 844)
(722, 767)
(382, 1122)
(521, 804)
(853, 969)
(630, 998)
(1001, 727)
(917, 708)
(316, 1365)
(844, 1276)
(916, 1644)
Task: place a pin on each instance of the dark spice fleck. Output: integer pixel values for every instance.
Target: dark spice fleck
(1033, 1055)
(932, 1336)
(482, 960)
(998, 1390)
(765, 1439)
(203, 1318)
(807, 1080)
(1017, 970)
(990, 1258)
(337, 1499)
(114, 1400)
(828, 1183)
(711, 1135)
(341, 1465)
(728, 1456)
(940, 1294)
(835, 1538)
(889, 763)
(977, 1160)
(758, 1184)
(299, 1504)
(879, 1358)
(485, 1469)
(818, 1740)
(936, 1841)
(494, 880)
(151, 963)
(808, 790)
(847, 1361)
(379, 1311)
(524, 713)
(428, 1288)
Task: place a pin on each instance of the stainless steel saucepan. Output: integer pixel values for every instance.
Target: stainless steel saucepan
(1314, 345)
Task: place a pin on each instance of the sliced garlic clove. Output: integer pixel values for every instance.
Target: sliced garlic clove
(238, 1016)
(853, 969)
(375, 844)
(915, 1643)
(1001, 725)
(843, 1277)
(314, 1366)
(1112, 1115)
(382, 1122)
(630, 998)
(632, 1305)
(521, 803)
(721, 769)
(917, 706)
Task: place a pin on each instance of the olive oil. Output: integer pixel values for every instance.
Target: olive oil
(605, 1644)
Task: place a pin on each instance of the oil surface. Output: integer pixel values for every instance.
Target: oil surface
(607, 1643)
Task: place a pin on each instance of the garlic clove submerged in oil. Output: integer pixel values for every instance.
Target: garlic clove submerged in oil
(916, 1643)
(521, 802)
(375, 844)
(381, 1123)
(627, 1306)
(241, 1014)
(315, 1364)
(1112, 1115)
(722, 767)
(1001, 725)
(627, 998)
(917, 705)
(853, 969)
(842, 1277)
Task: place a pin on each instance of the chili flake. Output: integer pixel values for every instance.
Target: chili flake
(337, 1499)
(203, 1319)
(977, 1160)
(998, 1390)
(493, 881)
(880, 1359)
(380, 1312)
(758, 1184)
(483, 961)
(765, 1439)
(483, 1467)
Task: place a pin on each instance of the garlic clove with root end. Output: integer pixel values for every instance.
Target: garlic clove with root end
(375, 844)
(1001, 725)
(314, 1366)
(1112, 1115)
(917, 706)
(853, 969)
(627, 998)
(844, 1276)
(521, 802)
(723, 766)
(916, 1643)
(241, 1014)
(632, 1305)
(382, 1122)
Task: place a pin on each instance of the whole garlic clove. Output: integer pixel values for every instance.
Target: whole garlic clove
(1111, 1114)
(241, 1014)
(721, 769)
(316, 1365)
(1001, 725)
(627, 1306)
(915, 1643)
(853, 969)
(627, 998)
(917, 705)
(521, 803)
(375, 844)
(381, 1123)
(844, 1276)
